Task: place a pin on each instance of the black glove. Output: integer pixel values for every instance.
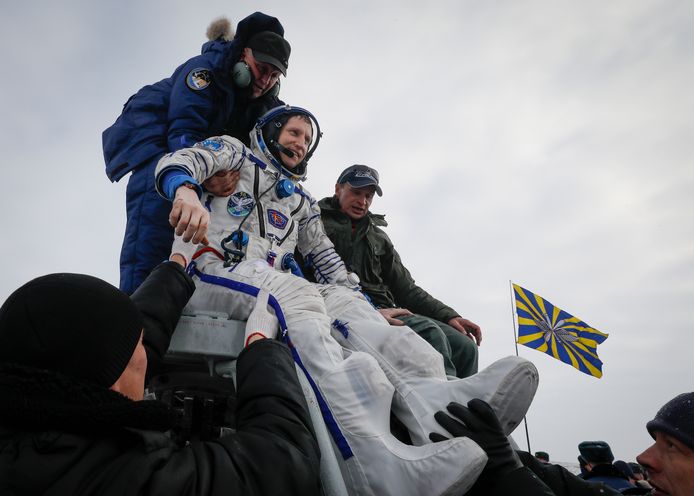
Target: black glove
(480, 424)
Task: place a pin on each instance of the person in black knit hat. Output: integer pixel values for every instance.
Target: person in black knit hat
(73, 324)
(670, 460)
(72, 416)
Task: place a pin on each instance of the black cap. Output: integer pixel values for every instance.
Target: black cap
(359, 176)
(542, 455)
(596, 451)
(271, 48)
(74, 324)
(676, 418)
(636, 468)
(624, 468)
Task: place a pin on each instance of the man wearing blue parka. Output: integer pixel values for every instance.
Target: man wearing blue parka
(221, 91)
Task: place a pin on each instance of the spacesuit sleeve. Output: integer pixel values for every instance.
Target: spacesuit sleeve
(319, 252)
(201, 161)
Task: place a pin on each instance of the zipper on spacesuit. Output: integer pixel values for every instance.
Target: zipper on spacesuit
(256, 186)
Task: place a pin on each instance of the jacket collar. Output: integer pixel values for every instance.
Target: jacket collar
(331, 205)
(37, 399)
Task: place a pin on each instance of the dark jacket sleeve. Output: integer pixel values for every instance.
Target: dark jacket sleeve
(561, 481)
(190, 110)
(521, 482)
(160, 299)
(407, 294)
(273, 450)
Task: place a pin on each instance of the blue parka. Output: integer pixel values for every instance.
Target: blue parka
(175, 113)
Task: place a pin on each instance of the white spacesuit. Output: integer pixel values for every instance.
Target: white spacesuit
(360, 365)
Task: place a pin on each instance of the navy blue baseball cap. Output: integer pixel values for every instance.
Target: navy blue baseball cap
(359, 176)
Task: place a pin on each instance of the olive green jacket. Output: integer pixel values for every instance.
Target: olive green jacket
(371, 255)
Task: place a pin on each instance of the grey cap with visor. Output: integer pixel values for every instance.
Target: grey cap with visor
(360, 176)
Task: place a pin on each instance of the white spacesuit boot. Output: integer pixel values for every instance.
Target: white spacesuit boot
(416, 370)
(359, 399)
(359, 396)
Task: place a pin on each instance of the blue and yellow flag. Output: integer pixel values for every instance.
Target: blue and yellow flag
(551, 330)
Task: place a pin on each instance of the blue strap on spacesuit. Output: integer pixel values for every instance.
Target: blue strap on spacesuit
(289, 262)
(330, 422)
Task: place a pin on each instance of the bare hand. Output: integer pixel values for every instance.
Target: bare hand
(470, 329)
(189, 218)
(391, 313)
(223, 183)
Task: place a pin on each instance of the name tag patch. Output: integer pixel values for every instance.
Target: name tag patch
(277, 219)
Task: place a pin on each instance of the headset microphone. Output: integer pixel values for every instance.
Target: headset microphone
(283, 149)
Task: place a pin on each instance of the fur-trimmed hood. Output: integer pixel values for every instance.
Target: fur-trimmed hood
(220, 28)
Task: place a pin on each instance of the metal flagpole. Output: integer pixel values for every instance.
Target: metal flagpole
(515, 342)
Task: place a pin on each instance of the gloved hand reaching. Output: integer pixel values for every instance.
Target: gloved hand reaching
(480, 423)
(182, 252)
(262, 323)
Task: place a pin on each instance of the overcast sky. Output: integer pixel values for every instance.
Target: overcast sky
(545, 142)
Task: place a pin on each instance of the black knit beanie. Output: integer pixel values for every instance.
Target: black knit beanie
(676, 418)
(74, 324)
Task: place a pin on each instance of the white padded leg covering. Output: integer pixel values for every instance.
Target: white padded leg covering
(356, 390)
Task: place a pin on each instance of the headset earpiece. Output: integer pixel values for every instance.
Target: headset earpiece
(241, 75)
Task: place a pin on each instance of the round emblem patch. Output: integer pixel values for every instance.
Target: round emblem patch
(198, 79)
(240, 204)
(214, 144)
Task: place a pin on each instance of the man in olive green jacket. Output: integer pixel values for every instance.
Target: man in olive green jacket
(367, 251)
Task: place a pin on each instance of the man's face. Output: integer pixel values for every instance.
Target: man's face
(265, 75)
(296, 135)
(354, 202)
(131, 382)
(670, 466)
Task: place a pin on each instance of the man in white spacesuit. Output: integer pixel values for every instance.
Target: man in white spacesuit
(359, 365)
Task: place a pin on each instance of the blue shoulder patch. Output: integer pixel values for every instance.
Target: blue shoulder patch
(198, 79)
(214, 144)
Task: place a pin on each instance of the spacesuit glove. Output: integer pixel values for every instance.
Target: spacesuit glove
(183, 248)
(352, 281)
(262, 323)
(480, 423)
